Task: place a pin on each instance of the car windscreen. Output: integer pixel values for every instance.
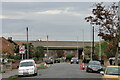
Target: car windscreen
(48, 59)
(94, 63)
(26, 64)
(74, 58)
(113, 71)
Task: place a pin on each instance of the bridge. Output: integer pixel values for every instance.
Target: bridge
(66, 46)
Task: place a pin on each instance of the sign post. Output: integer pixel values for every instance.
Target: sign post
(22, 50)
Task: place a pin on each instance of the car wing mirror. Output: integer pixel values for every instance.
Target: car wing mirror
(102, 72)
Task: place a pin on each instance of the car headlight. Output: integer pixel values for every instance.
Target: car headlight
(20, 70)
(31, 69)
(71, 60)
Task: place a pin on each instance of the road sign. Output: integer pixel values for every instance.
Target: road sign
(22, 49)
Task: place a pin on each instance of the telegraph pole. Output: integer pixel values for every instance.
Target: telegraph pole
(27, 44)
(93, 42)
(83, 45)
(99, 46)
(47, 45)
(77, 48)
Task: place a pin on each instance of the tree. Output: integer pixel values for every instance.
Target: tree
(104, 52)
(108, 22)
(31, 49)
(39, 52)
(60, 53)
(69, 56)
(87, 51)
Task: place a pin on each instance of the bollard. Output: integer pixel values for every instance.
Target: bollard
(45, 65)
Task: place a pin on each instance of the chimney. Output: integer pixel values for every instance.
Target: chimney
(10, 38)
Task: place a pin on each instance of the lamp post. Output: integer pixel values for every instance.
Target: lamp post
(47, 46)
(77, 48)
(83, 45)
(27, 44)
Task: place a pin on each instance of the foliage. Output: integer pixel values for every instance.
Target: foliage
(60, 53)
(11, 60)
(39, 52)
(87, 51)
(31, 49)
(17, 56)
(41, 67)
(107, 19)
(69, 56)
(87, 46)
(103, 48)
(13, 77)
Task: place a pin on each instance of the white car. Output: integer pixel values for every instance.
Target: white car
(27, 67)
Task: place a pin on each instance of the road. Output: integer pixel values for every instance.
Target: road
(64, 70)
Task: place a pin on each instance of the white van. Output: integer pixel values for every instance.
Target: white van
(27, 67)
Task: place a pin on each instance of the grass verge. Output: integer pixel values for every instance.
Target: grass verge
(41, 67)
(13, 77)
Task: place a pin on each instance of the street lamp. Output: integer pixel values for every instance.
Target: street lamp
(47, 45)
(27, 44)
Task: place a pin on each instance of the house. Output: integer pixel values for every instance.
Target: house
(6, 47)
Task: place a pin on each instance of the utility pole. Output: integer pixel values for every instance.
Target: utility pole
(83, 45)
(77, 48)
(99, 46)
(47, 46)
(92, 43)
(27, 44)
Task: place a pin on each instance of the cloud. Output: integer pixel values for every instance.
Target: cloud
(65, 11)
(3, 17)
(50, 12)
(58, 20)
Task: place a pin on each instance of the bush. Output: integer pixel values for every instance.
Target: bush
(69, 56)
(11, 60)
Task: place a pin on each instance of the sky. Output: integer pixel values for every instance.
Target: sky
(61, 21)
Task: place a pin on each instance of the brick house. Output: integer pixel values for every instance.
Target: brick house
(6, 47)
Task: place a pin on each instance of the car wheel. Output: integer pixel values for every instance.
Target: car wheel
(35, 74)
(87, 70)
(19, 75)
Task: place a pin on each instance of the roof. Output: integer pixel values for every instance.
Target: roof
(6, 46)
(27, 60)
(20, 42)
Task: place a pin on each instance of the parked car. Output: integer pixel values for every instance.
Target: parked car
(111, 72)
(27, 67)
(74, 60)
(49, 61)
(57, 60)
(94, 66)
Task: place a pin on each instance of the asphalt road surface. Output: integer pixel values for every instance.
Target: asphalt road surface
(64, 70)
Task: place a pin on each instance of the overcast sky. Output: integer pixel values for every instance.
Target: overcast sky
(59, 20)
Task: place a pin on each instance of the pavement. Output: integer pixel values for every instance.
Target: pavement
(10, 73)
